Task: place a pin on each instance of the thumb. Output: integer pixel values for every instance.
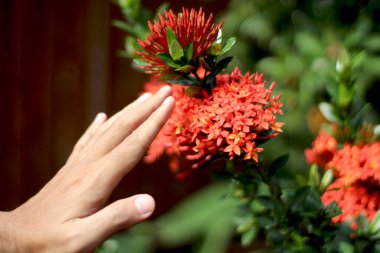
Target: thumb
(117, 216)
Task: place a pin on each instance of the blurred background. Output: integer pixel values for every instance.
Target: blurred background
(58, 68)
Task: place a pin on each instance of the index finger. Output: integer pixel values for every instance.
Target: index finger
(128, 153)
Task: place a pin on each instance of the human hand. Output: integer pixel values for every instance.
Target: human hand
(68, 214)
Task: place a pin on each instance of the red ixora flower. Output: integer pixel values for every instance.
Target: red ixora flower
(361, 197)
(189, 27)
(230, 122)
(357, 168)
(323, 149)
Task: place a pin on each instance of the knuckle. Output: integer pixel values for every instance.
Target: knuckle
(125, 123)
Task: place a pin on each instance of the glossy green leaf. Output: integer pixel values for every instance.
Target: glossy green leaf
(216, 49)
(345, 247)
(176, 50)
(170, 36)
(205, 65)
(179, 79)
(167, 59)
(326, 180)
(123, 26)
(248, 237)
(189, 50)
(278, 164)
(344, 95)
(140, 62)
(222, 64)
(374, 225)
(314, 176)
(171, 77)
(185, 69)
(126, 3)
(229, 44)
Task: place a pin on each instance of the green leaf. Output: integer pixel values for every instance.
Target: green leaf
(176, 50)
(205, 65)
(229, 44)
(194, 91)
(326, 180)
(175, 47)
(167, 59)
(126, 3)
(265, 222)
(344, 96)
(123, 26)
(278, 164)
(222, 64)
(329, 112)
(314, 176)
(189, 50)
(374, 226)
(170, 36)
(265, 202)
(185, 69)
(344, 61)
(248, 237)
(216, 49)
(140, 62)
(345, 247)
(161, 9)
(179, 79)
(171, 77)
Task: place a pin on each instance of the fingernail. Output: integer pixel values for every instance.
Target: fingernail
(166, 88)
(100, 117)
(144, 96)
(144, 204)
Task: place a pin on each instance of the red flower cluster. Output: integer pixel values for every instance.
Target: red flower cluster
(360, 197)
(239, 112)
(357, 168)
(189, 27)
(323, 150)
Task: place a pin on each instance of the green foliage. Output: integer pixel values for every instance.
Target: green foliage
(134, 23)
(297, 44)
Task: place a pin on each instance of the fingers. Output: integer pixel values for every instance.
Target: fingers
(84, 139)
(135, 103)
(123, 124)
(125, 156)
(117, 216)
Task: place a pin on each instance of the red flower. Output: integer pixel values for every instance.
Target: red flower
(361, 197)
(357, 189)
(357, 162)
(323, 150)
(189, 27)
(239, 112)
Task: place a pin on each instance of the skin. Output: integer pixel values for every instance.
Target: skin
(69, 213)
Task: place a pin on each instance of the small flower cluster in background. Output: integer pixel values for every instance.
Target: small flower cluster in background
(356, 188)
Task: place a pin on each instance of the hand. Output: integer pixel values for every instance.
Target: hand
(68, 214)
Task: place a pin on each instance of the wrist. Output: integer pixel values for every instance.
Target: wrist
(7, 242)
